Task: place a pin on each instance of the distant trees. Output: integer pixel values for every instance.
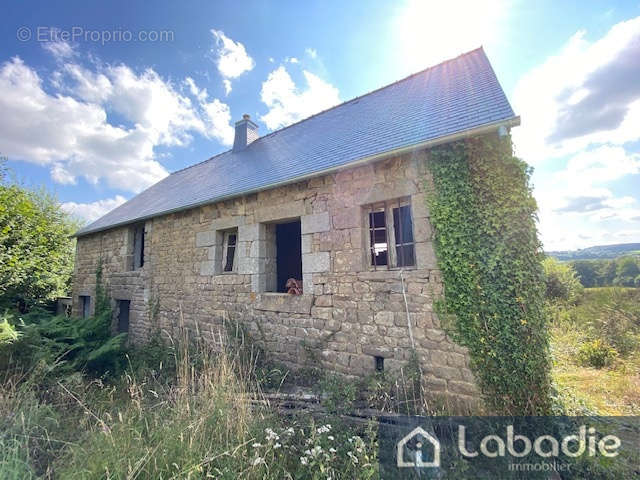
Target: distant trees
(622, 271)
(36, 248)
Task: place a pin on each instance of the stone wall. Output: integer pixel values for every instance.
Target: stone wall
(348, 314)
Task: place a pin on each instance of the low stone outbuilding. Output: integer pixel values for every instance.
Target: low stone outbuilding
(336, 202)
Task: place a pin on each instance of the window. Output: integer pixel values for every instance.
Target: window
(379, 364)
(283, 255)
(123, 315)
(135, 247)
(85, 306)
(138, 247)
(390, 223)
(229, 250)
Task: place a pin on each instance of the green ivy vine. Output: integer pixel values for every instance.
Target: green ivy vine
(488, 250)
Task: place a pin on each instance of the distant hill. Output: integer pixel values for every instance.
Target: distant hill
(598, 252)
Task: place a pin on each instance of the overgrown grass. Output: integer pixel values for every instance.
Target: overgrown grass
(183, 410)
(609, 317)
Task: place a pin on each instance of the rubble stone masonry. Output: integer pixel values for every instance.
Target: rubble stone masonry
(349, 312)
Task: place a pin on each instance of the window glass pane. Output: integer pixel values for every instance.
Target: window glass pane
(378, 236)
(232, 239)
(379, 255)
(231, 250)
(402, 226)
(406, 255)
(376, 219)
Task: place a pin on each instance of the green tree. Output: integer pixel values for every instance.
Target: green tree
(626, 271)
(587, 271)
(607, 273)
(562, 284)
(36, 248)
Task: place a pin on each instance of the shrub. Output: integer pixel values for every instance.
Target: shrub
(338, 395)
(8, 332)
(562, 283)
(36, 248)
(65, 344)
(596, 353)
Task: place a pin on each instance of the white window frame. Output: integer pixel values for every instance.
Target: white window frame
(392, 260)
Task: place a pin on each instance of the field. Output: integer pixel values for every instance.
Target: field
(608, 319)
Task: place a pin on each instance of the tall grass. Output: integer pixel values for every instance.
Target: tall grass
(190, 415)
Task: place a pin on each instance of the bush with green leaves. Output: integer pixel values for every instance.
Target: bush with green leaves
(36, 248)
(67, 344)
(8, 333)
(488, 250)
(561, 280)
(596, 353)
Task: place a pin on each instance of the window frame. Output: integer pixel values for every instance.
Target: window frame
(392, 256)
(225, 251)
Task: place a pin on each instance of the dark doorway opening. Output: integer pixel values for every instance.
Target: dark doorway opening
(123, 315)
(288, 253)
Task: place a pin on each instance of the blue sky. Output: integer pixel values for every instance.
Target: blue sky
(101, 99)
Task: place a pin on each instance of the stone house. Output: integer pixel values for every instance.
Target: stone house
(336, 201)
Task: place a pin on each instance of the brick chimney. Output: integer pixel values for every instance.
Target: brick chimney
(246, 132)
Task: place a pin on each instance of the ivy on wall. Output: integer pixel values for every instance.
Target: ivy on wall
(488, 251)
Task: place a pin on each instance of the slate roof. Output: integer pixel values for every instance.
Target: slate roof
(454, 96)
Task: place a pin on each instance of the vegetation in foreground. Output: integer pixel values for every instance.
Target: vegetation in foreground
(595, 346)
(595, 343)
(179, 410)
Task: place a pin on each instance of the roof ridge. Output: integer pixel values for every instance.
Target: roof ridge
(343, 103)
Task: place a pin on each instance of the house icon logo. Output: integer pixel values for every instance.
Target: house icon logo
(412, 446)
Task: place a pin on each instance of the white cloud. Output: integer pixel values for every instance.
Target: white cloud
(582, 106)
(577, 204)
(94, 210)
(60, 49)
(68, 129)
(287, 103)
(70, 136)
(153, 105)
(424, 34)
(312, 52)
(232, 58)
(218, 121)
(292, 60)
(587, 94)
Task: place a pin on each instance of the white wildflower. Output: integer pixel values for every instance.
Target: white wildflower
(324, 429)
(331, 437)
(276, 446)
(332, 450)
(317, 450)
(271, 435)
(304, 460)
(256, 445)
(354, 459)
